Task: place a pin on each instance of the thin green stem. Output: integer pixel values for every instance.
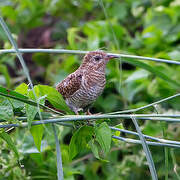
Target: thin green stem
(146, 150)
(87, 117)
(30, 102)
(66, 51)
(164, 126)
(118, 63)
(146, 136)
(59, 158)
(146, 106)
(134, 141)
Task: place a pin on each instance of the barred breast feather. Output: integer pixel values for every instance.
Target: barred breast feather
(81, 88)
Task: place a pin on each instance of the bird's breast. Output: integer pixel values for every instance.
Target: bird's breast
(94, 83)
(91, 87)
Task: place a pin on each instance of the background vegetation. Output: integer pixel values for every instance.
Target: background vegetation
(145, 28)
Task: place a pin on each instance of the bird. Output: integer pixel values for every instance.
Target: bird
(82, 87)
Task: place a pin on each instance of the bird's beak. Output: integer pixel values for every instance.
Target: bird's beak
(111, 56)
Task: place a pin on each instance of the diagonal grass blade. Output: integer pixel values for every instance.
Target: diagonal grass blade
(59, 159)
(146, 150)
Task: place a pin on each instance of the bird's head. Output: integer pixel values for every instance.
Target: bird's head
(97, 60)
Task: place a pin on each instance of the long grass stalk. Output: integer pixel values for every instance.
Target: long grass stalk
(59, 158)
(164, 142)
(115, 113)
(146, 136)
(87, 117)
(146, 106)
(21, 60)
(113, 128)
(164, 127)
(115, 39)
(66, 51)
(146, 150)
(134, 141)
(170, 120)
(173, 120)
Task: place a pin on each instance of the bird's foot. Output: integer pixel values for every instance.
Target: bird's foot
(89, 113)
(78, 111)
(91, 122)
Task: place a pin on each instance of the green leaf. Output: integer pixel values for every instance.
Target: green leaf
(103, 136)
(6, 109)
(80, 140)
(54, 97)
(94, 148)
(117, 133)
(31, 112)
(22, 88)
(5, 91)
(37, 133)
(153, 70)
(17, 96)
(120, 126)
(10, 143)
(6, 112)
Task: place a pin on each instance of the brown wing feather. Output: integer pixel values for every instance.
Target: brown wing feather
(70, 85)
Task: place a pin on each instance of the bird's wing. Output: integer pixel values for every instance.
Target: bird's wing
(70, 85)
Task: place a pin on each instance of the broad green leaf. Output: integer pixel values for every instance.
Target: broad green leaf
(80, 140)
(54, 97)
(6, 112)
(153, 70)
(6, 109)
(37, 133)
(120, 126)
(94, 148)
(40, 97)
(31, 112)
(22, 88)
(17, 96)
(5, 91)
(103, 136)
(117, 133)
(10, 143)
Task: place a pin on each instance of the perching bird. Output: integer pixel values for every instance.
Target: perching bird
(82, 87)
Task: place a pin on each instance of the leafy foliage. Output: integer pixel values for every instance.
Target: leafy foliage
(7, 138)
(103, 136)
(80, 140)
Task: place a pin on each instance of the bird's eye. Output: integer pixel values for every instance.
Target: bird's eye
(97, 58)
